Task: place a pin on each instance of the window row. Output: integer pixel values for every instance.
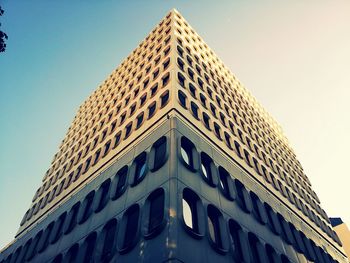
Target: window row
(125, 78)
(224, 135)
(245, 245)
(112, 109)
(239, 99)
(231, 188)
(237, 114)
(133, 61)
(100, 245)
(112, 189)
(86, 146)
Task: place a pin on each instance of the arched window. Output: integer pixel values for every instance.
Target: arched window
(188, 154)
(242, 197)
(108, 240)
(286, 232)
(208, 170)
(225, 183)
(72, 253)
(44, 240)
(86, 252)
(129, 230)
(239, 242)
(71, 219)
(258, 208)
(119, 183)
(57, 229)
(272, 219)
(22, 256)
(139, 168)
(271, 254)
(192, 213)
(32, 250)
(155, 216)
(257, 251)
(86, 208)
(102, 196)
(216, 229)
(159, 154)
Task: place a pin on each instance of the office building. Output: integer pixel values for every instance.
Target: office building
(172, 159)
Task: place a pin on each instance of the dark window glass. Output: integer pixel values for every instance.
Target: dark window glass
(203, 100)
(86, 252)
(109, 239)
(106, 148)
(143, 99)
(217, 130)
(228, 140)
(160, 153)
(128, 130)
(86, 207)
(119, 182)
(181, 79)
(165, 79)
(156, 213)
(102, 195)
(71, 254)
(284, 259)
(258, 208)
(57, 259)
(194, 109)
(78, 172)
(207, 169)
(57, 229)
(140, 168)
(139, 120)
(214, 226)
(238, 149)
(87, 165)
(180, 63)
(97, 156)
(164, 99)
(151, 110)
(32, 250)
(117, 139)
(21, 257)
(182, 98)
(257, 251)
(72, 218)
(154, 89)
(242, 196)
(44, 240)
(224, 180)
(286, 231)
(131, 228)
(271, 254)
(192, 90)
(238, 242)
(206, 120)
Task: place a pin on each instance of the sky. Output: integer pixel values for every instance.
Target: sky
(293, 56)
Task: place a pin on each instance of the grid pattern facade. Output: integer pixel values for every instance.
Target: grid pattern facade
(173, 135)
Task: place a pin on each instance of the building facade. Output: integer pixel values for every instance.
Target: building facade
(343, 233)
(171, 159)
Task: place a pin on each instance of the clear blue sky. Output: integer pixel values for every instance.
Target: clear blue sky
(293, 55)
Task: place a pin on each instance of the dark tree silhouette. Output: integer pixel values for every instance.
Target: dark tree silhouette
(3, 35)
